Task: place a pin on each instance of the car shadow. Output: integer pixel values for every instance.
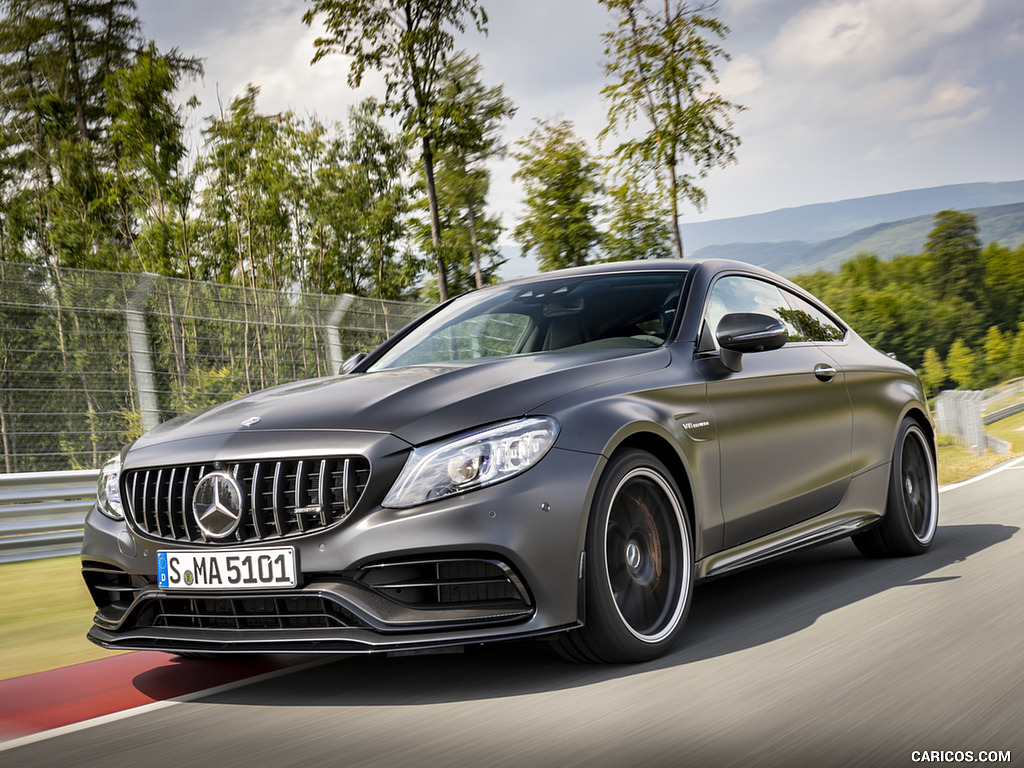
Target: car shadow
(729, 614)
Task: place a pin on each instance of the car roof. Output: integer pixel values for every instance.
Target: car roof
(708, 266)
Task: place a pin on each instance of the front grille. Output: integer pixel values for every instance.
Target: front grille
(280, 498)
(262, 612)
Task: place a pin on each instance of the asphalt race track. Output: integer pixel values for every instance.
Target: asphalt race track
(822, 659)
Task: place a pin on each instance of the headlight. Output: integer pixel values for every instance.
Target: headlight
(108, 492)
(471, 461)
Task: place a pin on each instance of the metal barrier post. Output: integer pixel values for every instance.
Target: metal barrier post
(142, 360)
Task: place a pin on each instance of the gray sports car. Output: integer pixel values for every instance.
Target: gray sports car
(560, 456)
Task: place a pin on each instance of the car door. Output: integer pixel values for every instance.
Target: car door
(784, 421)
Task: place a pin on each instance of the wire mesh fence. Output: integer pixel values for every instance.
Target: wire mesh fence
(89, 360)
(964, 414)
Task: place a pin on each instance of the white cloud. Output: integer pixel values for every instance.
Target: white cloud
(950, 124)
(871, 37)
(741, 76)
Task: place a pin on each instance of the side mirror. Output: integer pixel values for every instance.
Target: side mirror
(353, 361)
(741, 333)
(750, 332)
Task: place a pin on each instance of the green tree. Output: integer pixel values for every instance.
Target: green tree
(58, 159)
(998, 366)
(1017, 352)
(962, 365)
(153, 185)
(933, 372)
(955, 263)
(1004, 284)
(246, 201)
(661, 61)
(373, 188)
(468, 118)
(469, 239)
(638, 225)
(561, 181)
(408, 41)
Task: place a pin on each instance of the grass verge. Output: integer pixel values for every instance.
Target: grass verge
(1011, 430)
(956, 464)
(45, 611)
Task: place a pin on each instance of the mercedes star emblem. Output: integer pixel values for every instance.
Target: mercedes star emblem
(217, 505)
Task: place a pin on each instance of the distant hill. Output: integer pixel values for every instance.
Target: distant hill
(1003, 223)
(827, 221)
(824, 235)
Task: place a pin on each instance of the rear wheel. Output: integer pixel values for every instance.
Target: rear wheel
(912, 509)
(639, 565)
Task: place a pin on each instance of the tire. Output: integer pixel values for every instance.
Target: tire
(639, 565)
(912, 506)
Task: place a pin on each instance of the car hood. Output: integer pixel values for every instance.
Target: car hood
(417, 403)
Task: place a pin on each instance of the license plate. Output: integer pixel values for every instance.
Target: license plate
(227, 569)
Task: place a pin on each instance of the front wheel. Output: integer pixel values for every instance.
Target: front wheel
(912, 508)
(639, 565)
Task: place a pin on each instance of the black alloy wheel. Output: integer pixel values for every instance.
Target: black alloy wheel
(912, 509)
(639, 565)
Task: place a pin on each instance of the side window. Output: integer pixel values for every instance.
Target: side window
(815, 324)
(745, 294)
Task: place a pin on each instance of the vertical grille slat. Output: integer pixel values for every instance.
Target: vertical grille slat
(255, 508)
(300, 521)
(321, 492)
(169, 501)
(145, 504)
(185, 506)
(328, 489)
(276, 494)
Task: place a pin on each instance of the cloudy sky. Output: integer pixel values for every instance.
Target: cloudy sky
(844, 98)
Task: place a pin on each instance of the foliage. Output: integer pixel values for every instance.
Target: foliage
(152, 189)
(638, 223)
(955, 265)
(910, 305)
(933, 372)
(408, 41)
(962, 364)
(661, 60)
(468, 118)
(64, 203)
(561, 181)
(997, 356)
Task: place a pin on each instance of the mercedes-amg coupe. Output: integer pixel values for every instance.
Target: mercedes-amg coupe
(562, 456)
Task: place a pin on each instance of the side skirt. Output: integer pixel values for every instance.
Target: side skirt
(818, 530)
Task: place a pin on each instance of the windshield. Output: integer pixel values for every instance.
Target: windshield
(600, 311)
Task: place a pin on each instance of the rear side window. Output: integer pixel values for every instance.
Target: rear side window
(814, 324)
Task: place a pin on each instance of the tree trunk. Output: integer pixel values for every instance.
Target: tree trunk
(435, 218)
(677, 238)
(76, 74)
(473, 244)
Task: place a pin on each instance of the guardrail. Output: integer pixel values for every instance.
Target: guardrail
(42, 513)
(1002, 413)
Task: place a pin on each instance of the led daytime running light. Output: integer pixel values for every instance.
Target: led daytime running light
(471, 461)
(108, 489)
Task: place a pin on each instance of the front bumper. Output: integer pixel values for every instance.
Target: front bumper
(498, 563)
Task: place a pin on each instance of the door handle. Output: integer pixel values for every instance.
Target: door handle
(824, 372)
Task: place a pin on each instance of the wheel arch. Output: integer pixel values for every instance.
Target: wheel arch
(922, 420)
(650, 441)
